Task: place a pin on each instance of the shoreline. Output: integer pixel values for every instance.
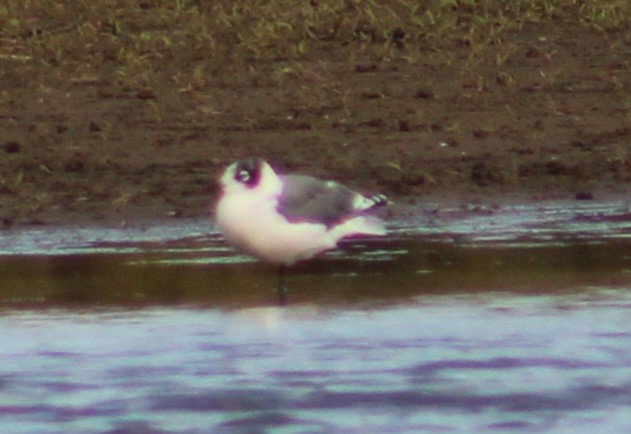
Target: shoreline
(416, 215)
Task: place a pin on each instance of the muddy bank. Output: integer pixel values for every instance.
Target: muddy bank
(541, 113)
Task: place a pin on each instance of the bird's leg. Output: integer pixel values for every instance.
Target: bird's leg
(282, 291)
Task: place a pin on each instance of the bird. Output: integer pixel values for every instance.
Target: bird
(283, 219)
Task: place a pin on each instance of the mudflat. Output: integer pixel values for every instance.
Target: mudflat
(129, 110)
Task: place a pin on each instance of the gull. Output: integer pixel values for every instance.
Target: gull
(283, 219)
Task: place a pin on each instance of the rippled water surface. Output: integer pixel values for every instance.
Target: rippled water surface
(482, 320)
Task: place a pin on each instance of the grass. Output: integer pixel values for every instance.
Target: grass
(144, 38)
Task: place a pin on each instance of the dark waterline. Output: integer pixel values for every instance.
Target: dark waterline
(555, 248)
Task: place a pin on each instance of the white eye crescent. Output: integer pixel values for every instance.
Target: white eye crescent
(243, 176)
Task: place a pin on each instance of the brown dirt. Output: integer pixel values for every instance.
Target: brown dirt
(546, 113)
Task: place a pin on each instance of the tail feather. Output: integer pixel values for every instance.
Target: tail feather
(360, 225)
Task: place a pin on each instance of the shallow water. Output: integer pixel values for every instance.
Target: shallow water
(477, 320)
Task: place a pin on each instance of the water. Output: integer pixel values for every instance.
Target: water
(514, 320)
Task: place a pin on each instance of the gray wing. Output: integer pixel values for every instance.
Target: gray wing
(309, 199)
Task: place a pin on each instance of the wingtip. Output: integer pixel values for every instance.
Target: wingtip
(379, 200)
(365, 203)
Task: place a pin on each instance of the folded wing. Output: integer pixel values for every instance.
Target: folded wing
(305, 198)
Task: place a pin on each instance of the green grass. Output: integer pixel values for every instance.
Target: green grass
(141, 38)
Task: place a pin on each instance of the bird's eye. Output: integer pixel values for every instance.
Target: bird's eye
(243, 176)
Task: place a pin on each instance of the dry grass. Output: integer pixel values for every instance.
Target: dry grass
(140, 39)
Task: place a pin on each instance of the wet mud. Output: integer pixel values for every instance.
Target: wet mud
(542, 113)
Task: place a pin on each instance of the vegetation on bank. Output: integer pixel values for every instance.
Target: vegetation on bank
(141, 37)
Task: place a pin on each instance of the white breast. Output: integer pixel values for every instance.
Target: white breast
(251, 222)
